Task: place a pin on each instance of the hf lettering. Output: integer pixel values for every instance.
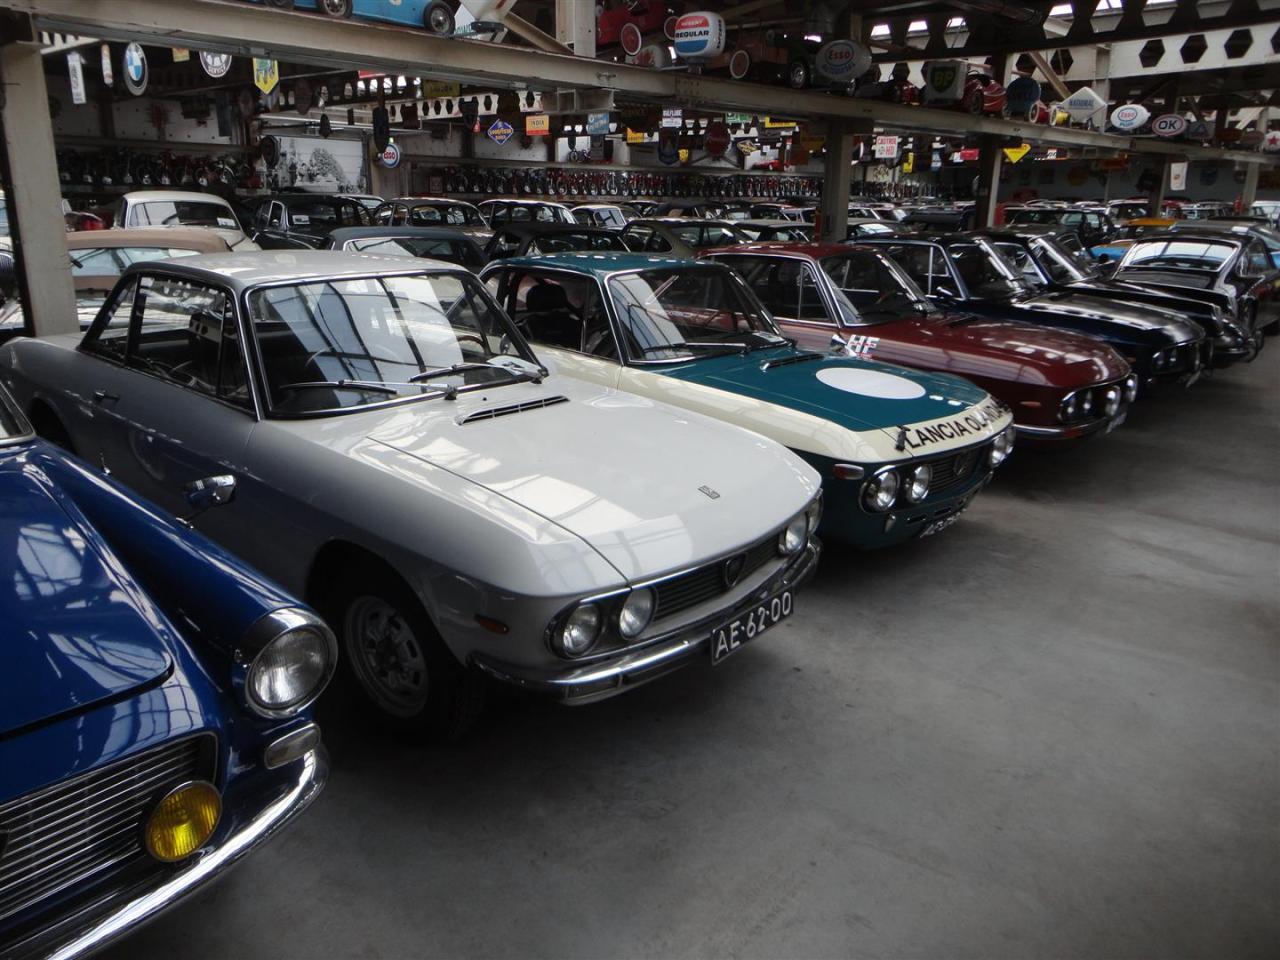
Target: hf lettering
(861, 346)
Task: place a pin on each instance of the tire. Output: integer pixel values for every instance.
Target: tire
(739, 64)
(393, 660)
(338, 9)
(797, 74)
(438, 18)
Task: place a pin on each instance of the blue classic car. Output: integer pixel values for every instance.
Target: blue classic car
(438, 16)
(901, 452)
(154, 694)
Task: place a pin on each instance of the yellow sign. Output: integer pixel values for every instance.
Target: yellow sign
(635, 136)
(684, 156)
(181, 54)
(537, 125)
(266, 74)
(779, 124)
(1014, 154)
(909, 163)
(440, 88)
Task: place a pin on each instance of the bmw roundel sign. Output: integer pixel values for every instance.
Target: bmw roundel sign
(135, 69)
(1130, 116)
(699, 36)
(842, 60)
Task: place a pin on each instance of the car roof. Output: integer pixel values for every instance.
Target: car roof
(602, 264)
(815, 250)
(342, 234)
(683, 221)
(771, 222)
(525, 202)
(425, 201)
(195, 238)
(544, 229)
(244, 270)
(193, 196)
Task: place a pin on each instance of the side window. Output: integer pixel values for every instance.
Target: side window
(110, 333)
(349, 215)
(549, 309)
(1020, 258)
(812, 307)
(505, 244)
(636, 237)
(382, 216)
(260, 216)
(182, 336)
(658, 244)
(780, 291)
(275, 215)
(424, 216)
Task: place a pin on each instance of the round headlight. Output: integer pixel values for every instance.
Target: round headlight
(918, 483)
(183, 821)
(1131, 389)
(1001, 447)
(791, 540)
(1070, 408)
(881, 490)
(636, 613)
(580, 630)
(1112, 404)
(290, 671)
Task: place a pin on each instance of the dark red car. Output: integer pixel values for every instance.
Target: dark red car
(1059, 384)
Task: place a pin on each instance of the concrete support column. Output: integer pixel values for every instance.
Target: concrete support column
(35, 196)
(990, 160)
(1162, 187)
(837, 171)
(576, 26)
(1249, 192)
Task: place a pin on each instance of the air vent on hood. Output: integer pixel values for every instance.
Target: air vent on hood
(787, 361)
(494, 412)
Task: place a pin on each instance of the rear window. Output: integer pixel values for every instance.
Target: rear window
(1205, 254)
(111, 261)
(189, 213)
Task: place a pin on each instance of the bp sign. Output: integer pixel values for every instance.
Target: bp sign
(136, 73)
(1169, 125)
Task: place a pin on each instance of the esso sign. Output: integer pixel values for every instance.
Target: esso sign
(1169, 125)
(1129, 117)
(842, 61)
(390, 157)
(699, 36)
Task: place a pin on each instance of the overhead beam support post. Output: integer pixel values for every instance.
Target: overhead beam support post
(1249, 193)
(576, 26)
(990, 161)
(837, 172)
(35, 195)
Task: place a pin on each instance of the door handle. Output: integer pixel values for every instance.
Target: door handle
(102, 396)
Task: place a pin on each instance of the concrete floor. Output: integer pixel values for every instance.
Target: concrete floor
(1053, 731)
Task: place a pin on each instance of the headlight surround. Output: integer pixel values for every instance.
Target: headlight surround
(917, 483)
(1111, 401)
(183, 821)
(791, 540)
(881, 490)
(1131, 388)
(580, 630)
(292, 667)
(636, 612)
(1086, 403)
(814, 513)
(1070, 408)
(1001, 447)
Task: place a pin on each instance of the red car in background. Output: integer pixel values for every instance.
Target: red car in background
(1060, 385)
(626, 22)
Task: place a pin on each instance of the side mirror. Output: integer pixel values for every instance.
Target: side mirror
(1104, 258)
(837, 343)
(205, 494)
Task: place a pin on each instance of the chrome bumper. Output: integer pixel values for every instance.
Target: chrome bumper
(115, 913)
(607, 678)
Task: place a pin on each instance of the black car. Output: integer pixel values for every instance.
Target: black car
(531, 239)
(968, 274)
(435, 243)
(1054, 259)
(1094, 226)
(302, 221)
(775, 231)
(941, 219)
(1234, 270)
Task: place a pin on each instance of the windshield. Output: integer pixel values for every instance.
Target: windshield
(4, 219)
(570, 241)
(455, 215)
(790, 234)
(12, 423)
(1201, 254)
(701, 236)
(188, 213)
(340, 344)
(1130, 210)
(985, 272)
(675, 312)
(111, 261)
(876, 289)
(1044, 215)
(429, 247)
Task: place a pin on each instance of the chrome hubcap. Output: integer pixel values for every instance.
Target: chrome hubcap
(386, 655)
(335, 8)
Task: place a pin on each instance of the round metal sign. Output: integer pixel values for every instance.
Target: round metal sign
(842, 61)
(1130, 116)
(1169, 125)
(215, 65)
(136, 73)
(390, 157)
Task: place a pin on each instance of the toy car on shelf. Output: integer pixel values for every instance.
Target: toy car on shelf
(437, 16)
(454, 508)
(625, 23)
(950, 83)
(901, 453)
(154, 700)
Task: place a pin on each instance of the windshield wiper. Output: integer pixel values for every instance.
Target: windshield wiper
(446, 371)
(366, 385)
(696, 345)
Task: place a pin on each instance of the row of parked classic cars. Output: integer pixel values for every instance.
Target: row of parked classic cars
(567, 469)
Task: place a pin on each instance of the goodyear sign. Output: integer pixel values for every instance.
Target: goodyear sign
(500, 131)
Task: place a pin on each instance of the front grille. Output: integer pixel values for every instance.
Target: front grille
(952, 471)
(696, 586)
(72, 831)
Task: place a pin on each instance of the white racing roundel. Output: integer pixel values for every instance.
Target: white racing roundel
(871, 383)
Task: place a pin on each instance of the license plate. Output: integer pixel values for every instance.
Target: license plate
(939, 525)
(730, 637)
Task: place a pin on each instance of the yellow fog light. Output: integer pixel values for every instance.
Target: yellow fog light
(183, 821)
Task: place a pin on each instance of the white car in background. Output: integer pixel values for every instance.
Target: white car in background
(182, 208)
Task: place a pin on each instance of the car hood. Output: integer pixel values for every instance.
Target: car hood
(856, 394)
(648, 486)
(1139, 323)
(1192, 300)
(77, 630)
(973, 342)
